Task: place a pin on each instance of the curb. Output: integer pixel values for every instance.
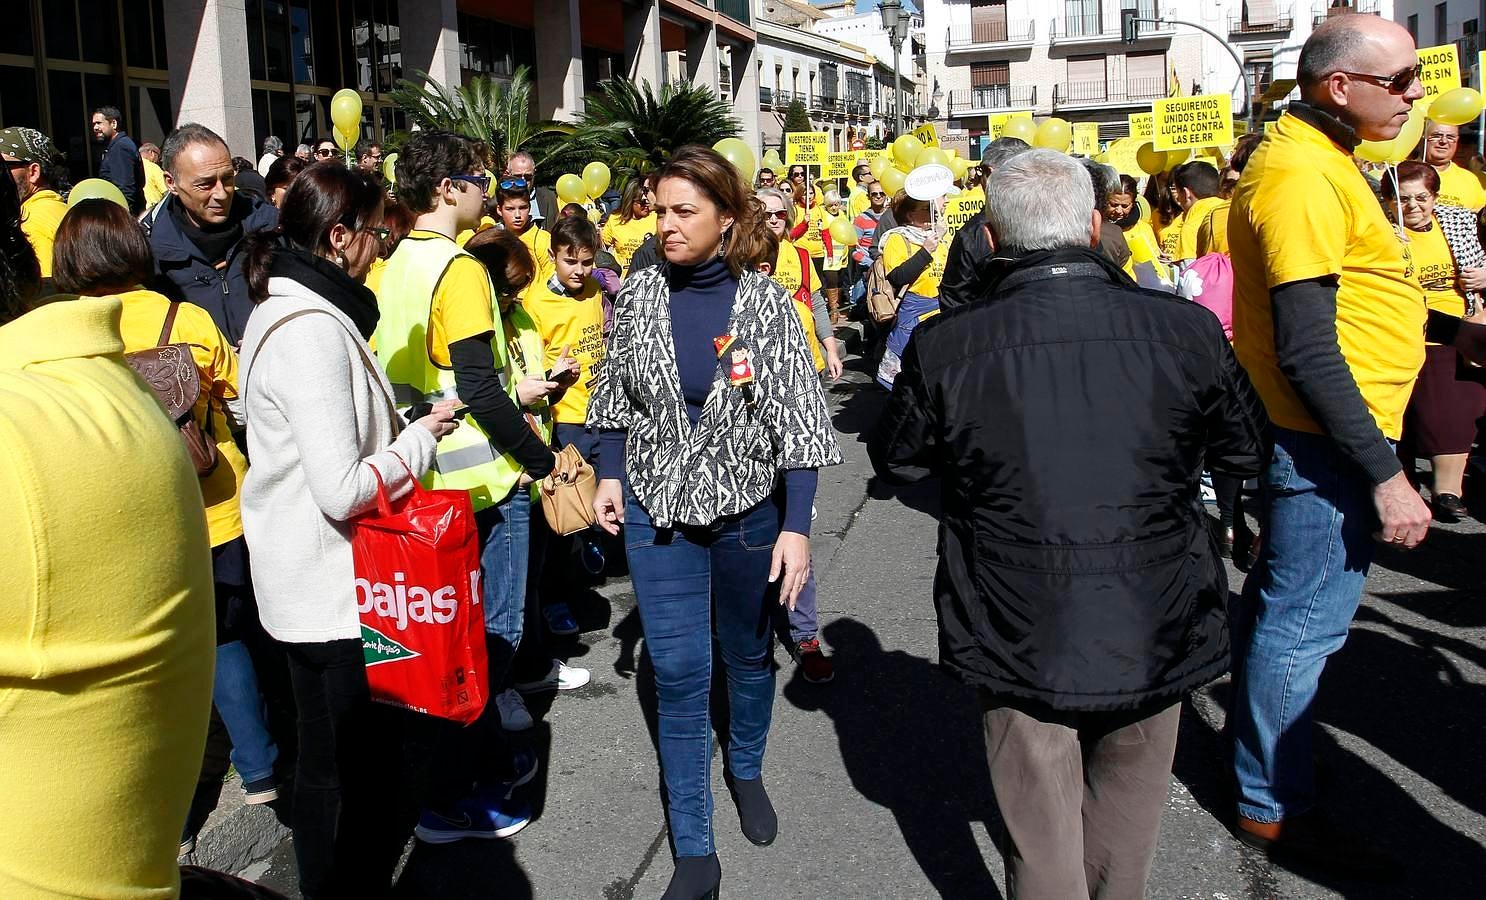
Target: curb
(236, 835)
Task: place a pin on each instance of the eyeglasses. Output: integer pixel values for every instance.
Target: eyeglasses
(482, 182)
(1443, 139)
(872, 194)
(513, 183)
(1416, 199)
(777, 214)
(1397, 83)
(381, 234)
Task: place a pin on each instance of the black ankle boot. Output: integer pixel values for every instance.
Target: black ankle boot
(695, 878)
(755, 812)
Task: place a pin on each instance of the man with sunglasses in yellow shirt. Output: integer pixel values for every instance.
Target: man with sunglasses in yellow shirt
(1329, 322)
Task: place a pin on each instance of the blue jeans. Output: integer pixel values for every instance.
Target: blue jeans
(803, 625)
(689, 581)
(505, 536)
(1317, 523)
(235, 693)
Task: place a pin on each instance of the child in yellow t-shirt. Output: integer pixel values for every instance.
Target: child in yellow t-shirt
(567, 307)
(513, 207)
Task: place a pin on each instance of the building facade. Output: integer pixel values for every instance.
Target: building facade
(250, 68)
(1067, 58)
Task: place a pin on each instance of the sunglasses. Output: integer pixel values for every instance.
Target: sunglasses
(512, 183)
(480, 181)
(1397, 83)
(876, 194)
(780, 214)
(325, 151)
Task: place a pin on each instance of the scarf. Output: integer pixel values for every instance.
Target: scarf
(915, 236)
(1130, 219)
(329, 281)
(217, 241)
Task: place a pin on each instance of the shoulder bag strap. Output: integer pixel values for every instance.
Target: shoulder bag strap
(175, 306)
(366, 361)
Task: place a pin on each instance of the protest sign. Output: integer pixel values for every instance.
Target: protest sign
(1439, 72)
(959, 210)
(1188, 123)
(1142, 126)
(806, 149)
(839, 165)
(999, 120)
(1086, 138)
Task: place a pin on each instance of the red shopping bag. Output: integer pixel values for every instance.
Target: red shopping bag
(417, 564)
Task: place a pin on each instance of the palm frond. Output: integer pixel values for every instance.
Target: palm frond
(635, 130)
(494, 112)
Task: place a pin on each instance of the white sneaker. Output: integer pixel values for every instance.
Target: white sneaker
(513, 714)
(561, 677)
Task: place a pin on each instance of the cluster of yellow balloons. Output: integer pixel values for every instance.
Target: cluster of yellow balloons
(584, 188)
(908, 153)
(735, 151)
(345, 115)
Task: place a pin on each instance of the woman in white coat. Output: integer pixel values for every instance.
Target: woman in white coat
(319, 420)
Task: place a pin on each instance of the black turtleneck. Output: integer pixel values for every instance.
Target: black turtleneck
(701, 304)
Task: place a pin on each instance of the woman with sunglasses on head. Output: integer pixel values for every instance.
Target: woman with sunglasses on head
(1450, 395)
(713, 424)
(631, 224)
(321, 433)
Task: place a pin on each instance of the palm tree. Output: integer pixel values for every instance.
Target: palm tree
(489, 110)
(635, 130)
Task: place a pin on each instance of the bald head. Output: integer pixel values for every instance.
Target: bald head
(1347, 68)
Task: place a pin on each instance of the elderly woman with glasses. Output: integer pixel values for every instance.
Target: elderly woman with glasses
(1450, 395)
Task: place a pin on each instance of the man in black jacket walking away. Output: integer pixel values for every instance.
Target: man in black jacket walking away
(1078, 586)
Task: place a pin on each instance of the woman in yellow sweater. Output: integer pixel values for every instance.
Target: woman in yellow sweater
(105, 633)
(630, 224)
(100, 252)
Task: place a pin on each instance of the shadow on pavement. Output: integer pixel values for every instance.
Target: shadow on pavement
(1398, 690)
(911, 740)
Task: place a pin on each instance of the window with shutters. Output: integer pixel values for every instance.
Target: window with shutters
(1260, 12)
(990, 85)
(1086, 81)
(1259, 66)
(1145, 76)
(987, 21)
(1081, 18)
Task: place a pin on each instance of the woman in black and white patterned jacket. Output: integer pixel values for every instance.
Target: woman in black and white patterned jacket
(713, 424)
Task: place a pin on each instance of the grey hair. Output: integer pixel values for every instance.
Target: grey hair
(1105, 179)
(185, 136)
(1002, 149)
(304, 148)
(522, 154)
(831, 196)
(273, 144)
(789, 208)
(1040, 200)
(1334, 46)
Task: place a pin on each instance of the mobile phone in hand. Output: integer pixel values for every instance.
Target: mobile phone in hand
(461, 412)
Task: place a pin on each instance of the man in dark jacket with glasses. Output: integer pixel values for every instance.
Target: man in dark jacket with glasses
(1078, 586)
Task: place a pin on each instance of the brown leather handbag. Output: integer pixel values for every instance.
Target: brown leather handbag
(567, 493)
(170, 371)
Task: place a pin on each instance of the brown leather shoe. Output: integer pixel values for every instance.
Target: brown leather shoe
(1312, 840)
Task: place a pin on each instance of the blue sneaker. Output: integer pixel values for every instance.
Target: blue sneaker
(592, 554)
(479, 816)
(560, 619)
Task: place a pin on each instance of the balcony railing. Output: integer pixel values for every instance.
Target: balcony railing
(1094, 26)
(1080, 25)
(989, 34)
(1324, 10)
(735, 9)
(1108, 92)
(992, 97)
(1467, 46)
(1238, 24)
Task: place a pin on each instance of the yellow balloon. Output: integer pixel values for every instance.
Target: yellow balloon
(1020, 128)
(1145, 208)
(570, 189)
(389, 169)
(893, 179)
(493, 186)
(842, 231)
(1374, 151)
(1150, 160)
(879, 164)
(345, 110)
(771, 160)
(1054, 134)
(344, 139)
(931, 156)
(1408, 136)
(961, 168)
(1175, 158)
(95, 189)
(596, 179)
(739, 154)
(1456, 107)
(906, 149)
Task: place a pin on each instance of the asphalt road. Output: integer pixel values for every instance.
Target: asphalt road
(880, 778)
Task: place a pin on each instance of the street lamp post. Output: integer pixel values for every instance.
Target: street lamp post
(895, 23)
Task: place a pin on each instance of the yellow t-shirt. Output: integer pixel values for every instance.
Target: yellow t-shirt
(810, 240)
(577, 323)
(1303, 211)
(41, 216)
(154, 183)
(1192, 222)
(1436, 268)
(106, 629)
(144, 315)
(624, 238)
(789, 272)
(1461, 187)
(1212, 233)
(896, 250)
(1171, 237)
(464, 236)
(858, 202)
(463, 304)
(539, 242)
